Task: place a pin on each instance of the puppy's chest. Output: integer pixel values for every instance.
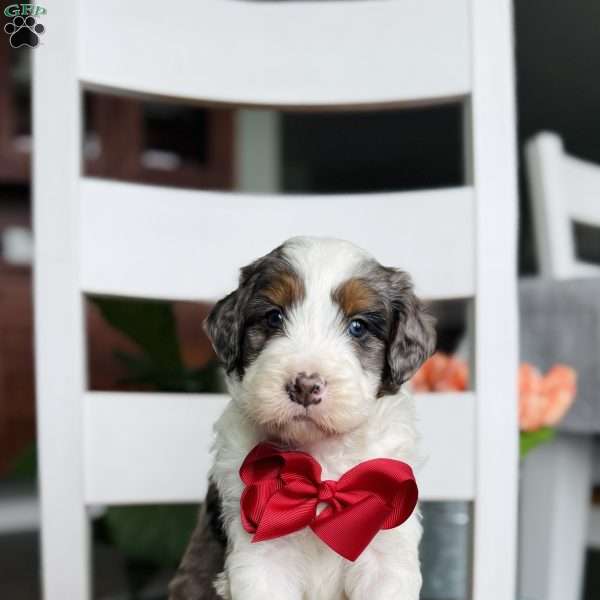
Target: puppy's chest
(335, 465)
(323, 570)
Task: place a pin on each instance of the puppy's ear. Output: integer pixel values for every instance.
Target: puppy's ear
(223, 327)
(225, 322)
(412, 335)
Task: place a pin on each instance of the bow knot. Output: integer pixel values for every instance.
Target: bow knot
(284, 488)
(327, 490)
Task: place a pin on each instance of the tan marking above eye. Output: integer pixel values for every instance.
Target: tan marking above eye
(354, 296)
(285, 290)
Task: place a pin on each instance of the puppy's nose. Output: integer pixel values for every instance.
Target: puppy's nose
(306, 389)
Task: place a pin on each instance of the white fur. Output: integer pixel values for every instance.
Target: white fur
(349, 426)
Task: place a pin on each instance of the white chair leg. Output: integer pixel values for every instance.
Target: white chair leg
(556, 483)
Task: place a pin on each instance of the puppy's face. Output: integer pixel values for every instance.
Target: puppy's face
(315, 333)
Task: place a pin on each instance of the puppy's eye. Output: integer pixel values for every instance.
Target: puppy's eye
(274, 318)
(357, 328)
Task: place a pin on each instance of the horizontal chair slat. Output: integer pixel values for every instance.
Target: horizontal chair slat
(446, 422)
(278, 53)
(154, 448)
(143, 448)
(155, 242)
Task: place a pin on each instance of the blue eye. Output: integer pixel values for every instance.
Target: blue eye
(357, 328)
(274, 318)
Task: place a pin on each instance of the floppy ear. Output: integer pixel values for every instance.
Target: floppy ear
(412, 335)
(223, 326)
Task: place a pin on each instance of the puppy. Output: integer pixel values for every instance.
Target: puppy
(316, 343)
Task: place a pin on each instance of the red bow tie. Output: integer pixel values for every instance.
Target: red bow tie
(283, 489)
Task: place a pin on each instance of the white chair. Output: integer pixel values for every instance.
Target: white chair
(557, 478)
(563, 190)
(131, 240)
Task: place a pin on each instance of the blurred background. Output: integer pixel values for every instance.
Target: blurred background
(137, 345)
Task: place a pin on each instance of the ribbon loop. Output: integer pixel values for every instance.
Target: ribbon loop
(284, 488)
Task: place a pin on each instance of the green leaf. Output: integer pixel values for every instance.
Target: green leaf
(206, 380)
(528, 440)
(24, 467)
(150, 324)
(142, 371)
(157, 534)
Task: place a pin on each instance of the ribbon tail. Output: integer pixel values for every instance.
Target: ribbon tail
(350, 531)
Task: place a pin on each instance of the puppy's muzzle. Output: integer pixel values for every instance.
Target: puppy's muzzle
(306, 389)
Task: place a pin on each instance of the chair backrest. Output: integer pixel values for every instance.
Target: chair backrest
(564, 190)
(97, 236)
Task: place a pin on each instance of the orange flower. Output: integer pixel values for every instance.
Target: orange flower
(531, 400)
(559, 386)
(456, 375)
(543, 400)
(420, 380)
(441, 373)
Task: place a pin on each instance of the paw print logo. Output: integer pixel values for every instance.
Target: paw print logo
(24, 32)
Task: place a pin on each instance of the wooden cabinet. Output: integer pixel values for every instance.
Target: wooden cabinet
(17, 412)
